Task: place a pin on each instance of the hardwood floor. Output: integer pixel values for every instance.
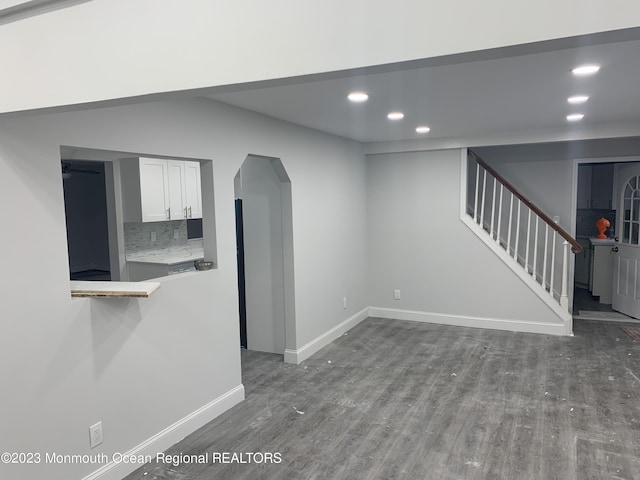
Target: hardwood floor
(404, 400)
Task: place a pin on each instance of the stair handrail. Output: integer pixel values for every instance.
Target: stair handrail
(575, 245)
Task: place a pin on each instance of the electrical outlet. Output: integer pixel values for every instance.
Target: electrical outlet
(344, 302)
(95, 435)
(176, 234)
(396, 294)
(153, 236)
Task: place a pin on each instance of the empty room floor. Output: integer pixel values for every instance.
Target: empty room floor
(393, 399)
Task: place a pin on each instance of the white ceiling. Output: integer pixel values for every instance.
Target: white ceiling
(460, 98)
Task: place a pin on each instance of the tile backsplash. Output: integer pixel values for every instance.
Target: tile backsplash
(137, 236)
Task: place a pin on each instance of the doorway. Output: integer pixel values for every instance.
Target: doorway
(596, 198)
(264, 233)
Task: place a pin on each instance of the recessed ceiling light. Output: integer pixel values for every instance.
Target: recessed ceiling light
(358, 97)
(423, 129)
(395, 116)
(577, 99)
(574, 117)
(583, 70)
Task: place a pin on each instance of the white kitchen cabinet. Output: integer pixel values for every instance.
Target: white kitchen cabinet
(192, 189)
(154, 197)
(602, 270)
(175, 189)
(157, 190)
(145, 194)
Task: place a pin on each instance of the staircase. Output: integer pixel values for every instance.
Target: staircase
(535, 247)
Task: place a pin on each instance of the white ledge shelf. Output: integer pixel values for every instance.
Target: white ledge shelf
(113, 289)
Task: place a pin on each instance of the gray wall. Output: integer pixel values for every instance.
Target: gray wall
(544, 172)
(66, 363)
(360, 230)
(418, 244)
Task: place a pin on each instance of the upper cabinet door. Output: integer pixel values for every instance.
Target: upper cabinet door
(595, 186)
(602, 186)
(584, 186)
(154, 191)
(193, 189)
(176, 179)
(158, 190)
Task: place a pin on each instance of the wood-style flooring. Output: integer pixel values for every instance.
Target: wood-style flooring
(404, 400)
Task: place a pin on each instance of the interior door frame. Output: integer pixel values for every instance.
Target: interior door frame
(574, 200)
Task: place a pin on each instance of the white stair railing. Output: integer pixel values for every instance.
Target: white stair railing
(514, 224)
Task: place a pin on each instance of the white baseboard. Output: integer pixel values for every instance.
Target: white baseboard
(298, 356)
(467, 321)
(304, 352)
(561, 312)
(170, 435)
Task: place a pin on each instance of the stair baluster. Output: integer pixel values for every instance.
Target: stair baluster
(529, 253)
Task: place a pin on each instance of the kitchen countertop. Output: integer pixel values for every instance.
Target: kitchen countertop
(168, 256)
(602, 241)
(113, 289)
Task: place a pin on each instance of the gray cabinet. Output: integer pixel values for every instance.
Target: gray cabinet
(602, 185)
(595, 186)
(584, 186)
(583, 262)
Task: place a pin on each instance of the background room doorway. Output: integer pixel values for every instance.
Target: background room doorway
(599, 181)
(265, 255)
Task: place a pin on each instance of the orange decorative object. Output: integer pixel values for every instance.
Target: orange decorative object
(602, 224)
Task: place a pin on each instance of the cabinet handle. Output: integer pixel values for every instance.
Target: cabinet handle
(189, 212)
(185, 212)
(169, 213)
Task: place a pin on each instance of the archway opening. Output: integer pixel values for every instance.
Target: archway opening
(265, 255)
